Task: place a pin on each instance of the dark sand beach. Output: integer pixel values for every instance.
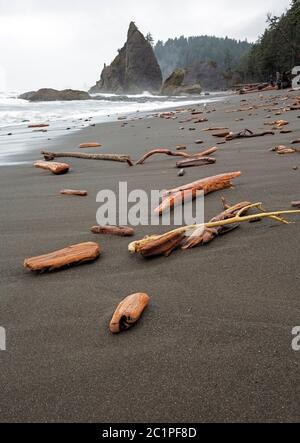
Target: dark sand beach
(214, 344)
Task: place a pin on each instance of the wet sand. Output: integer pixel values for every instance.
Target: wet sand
(215, 342)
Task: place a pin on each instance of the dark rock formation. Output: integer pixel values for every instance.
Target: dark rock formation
(178, 83)
(134, 70)
(47, 95)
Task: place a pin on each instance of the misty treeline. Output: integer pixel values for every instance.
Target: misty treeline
(183, 52)
(278, 49)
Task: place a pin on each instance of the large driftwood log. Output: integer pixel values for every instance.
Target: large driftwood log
(90, 145)
(121, 231)
(55, 168)
(246, 133)
(189, 192)
(72, 255)
(74, 192)
(128, 312)
(195, 161)
(142, 160)
(109, 157)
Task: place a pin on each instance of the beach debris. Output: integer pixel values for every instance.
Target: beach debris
(165, 244)
(286, 131)
(296, 204)
(142, 160)
(281, 150)
(180, 147)
(295, 141)
(189, 192)
(198, 142)
(195, 161)
(277, 123)
(181, 173)
(121, 231)
(72, 255)
(201, 120)
(246, 133)
(55, 168)
(221, 134)
(76, 192)
(38, 125)
(214, 128)
(90, 145)
(129, 312)
(107, 157)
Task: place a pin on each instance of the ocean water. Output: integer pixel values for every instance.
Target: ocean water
(16, 115)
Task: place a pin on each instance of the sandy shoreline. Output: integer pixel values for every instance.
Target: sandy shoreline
(215, 343)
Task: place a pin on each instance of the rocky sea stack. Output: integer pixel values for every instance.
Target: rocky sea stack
(180, 83)
(134, 70)
(48, 95)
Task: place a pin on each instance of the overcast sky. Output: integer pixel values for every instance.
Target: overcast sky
(64, 43)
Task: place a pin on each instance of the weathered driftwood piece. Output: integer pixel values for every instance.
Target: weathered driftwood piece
(109, 157)
(286, 131)
(246, 133)
(277, 123)
(90, 145)
(121, 231)
(201, 120)
(295, 108)
(209, 183)
(39, 125)
(162, 151)
(79, 193)
(221, 134)
(55, 168)
(198, 142)
(181, 148)
(189, 192)
(295, 141)
(214, 128)
(282, 150)
(72, 255)
(195, 161)
(128, 312)
(164, 244)
(296, 204)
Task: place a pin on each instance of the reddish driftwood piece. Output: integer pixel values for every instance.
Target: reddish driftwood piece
(195, 161)
(55, 168)
(206, 235)
(128, 312)
(221, 134)
(79, 193)
(246, 133)
(161, 151)
(281, 150)
(90, 145)
(39, 125)
(121, 231)
(72, 255)
(189, 192)
(109, 157)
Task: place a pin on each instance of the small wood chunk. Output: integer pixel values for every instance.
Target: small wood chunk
(181, 173)
(74, 192)
(72, 255)
(121, 231)
(39, 125)
(295, 141)
(180, 147)
(90, 145)
(198, 142)
(55, 168)
(128, 312)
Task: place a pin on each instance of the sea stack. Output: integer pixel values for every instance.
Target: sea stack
(134, 70)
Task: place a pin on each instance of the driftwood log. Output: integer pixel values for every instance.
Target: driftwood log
(121, 231)
(72, 255)
(142, 160)
(40, 125)
(90, 145)
(282, 150)
(221, 134)
(109, 157)
(189, 192)
(74, 192)
(195, 161)
(55, 168)
(128, 312)
(246, 133)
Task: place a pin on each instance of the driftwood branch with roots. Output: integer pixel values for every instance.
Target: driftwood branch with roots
(194, 235)
(246, 133)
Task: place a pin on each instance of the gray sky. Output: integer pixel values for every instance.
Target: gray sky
(64, 43)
